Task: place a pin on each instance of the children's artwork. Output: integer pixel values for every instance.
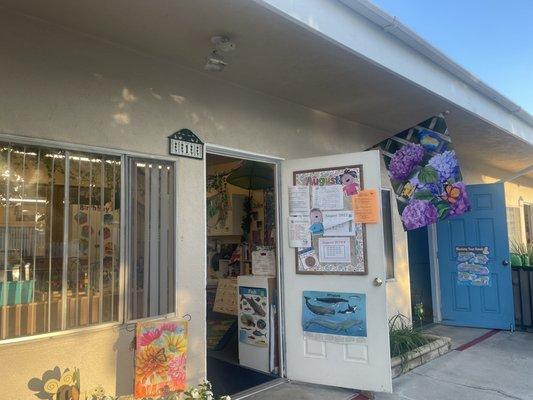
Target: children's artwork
(472, 265)
(253, 315)
(425, 174)
(331, 220)
(334, 316)
(160, 357)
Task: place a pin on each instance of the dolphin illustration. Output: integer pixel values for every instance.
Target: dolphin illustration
(318, 310)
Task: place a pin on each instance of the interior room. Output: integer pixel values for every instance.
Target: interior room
(242, 309)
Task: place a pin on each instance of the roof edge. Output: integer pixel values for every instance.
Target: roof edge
(393, 26)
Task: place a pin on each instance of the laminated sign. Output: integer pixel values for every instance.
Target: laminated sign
(425, 174)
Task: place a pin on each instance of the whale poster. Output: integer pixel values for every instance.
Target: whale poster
(334, 316)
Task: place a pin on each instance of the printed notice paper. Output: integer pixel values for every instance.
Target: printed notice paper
(338, 223)
(299, 234)
(329, 197)
(334, 250)
(365, 207)
(299, 200)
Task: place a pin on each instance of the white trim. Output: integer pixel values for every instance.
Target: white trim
(277, 162)
(246, 155)
(50, 335)
(69, 146)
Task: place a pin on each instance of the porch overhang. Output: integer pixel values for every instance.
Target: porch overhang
(327, 55)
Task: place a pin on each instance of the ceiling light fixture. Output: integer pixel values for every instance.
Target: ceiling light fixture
(215, 62)
(223, 43)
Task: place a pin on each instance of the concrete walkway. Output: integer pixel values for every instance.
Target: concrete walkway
(498, 368)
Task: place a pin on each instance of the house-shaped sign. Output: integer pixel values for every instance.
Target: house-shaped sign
(185, 143)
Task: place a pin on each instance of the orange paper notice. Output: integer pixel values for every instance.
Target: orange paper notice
(365, 207)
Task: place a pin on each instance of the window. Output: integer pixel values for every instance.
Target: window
(151, 238)
(528, 222)
(513, 224)
(388, 232)
(59, 239)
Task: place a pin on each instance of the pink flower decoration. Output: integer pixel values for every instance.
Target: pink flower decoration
(148, 337)
(176, 368)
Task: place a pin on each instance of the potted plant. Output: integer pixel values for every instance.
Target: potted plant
(519, 254)
(530, 254)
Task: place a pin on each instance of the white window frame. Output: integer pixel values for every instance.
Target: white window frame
(123, 288)
(127, 237)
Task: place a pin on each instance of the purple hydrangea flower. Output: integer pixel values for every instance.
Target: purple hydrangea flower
(432, 187)
(462, 204)
(445, 164)
(419, 213)
(405, 160)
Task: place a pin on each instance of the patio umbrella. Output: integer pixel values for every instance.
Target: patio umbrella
(252, 176)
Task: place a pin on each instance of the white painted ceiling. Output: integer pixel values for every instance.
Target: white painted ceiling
(279, 58)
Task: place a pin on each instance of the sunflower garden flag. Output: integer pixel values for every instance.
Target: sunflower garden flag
(425, 174)
(160, 358)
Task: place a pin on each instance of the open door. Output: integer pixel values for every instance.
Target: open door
(485, 302)
(359, 363)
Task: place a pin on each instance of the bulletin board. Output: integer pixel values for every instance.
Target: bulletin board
(308, 259)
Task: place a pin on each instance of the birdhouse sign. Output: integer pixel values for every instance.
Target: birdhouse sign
(184, 143)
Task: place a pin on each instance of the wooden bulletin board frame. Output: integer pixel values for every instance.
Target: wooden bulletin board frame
(360, 237)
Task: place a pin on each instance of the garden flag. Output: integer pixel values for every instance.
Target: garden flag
(160, 358)
(425, 174)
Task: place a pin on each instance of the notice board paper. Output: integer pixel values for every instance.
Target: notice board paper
(365, 207)
(299, 200)
(334, 250)
(329, 197)
(299, 234)
(264, 262)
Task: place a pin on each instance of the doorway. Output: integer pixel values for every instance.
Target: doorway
(420, 276)
(242, 321)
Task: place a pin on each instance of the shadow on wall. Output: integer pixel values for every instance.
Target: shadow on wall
(125, 351)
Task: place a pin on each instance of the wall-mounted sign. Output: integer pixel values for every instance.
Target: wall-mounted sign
(185, 143)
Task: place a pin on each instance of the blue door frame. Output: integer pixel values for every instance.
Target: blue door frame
(485, 225)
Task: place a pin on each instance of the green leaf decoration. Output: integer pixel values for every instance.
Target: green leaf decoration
(442, 210)
(428, 175)
(423, 195)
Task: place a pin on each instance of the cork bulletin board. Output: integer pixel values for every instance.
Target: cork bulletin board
(309, 260)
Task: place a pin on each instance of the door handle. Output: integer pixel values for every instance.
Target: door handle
(505, 263)
(378, 281)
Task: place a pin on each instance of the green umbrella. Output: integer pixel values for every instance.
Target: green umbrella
(252, 176)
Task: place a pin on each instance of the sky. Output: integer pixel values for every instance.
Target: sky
(492, 39)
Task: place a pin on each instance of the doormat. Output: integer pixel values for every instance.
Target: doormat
(477, 340)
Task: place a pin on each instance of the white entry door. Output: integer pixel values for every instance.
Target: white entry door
(358, 362)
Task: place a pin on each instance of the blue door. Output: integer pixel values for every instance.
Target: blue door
(463, 303)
